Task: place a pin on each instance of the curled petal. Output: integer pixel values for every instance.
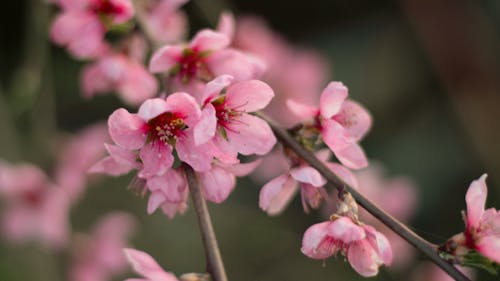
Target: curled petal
(127, 130)
(276, 194)
(308, 175)
(332, 99)
(476, 201)
(316, 243)
(249, 96)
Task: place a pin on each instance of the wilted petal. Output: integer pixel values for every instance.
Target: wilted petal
(127, 130)
(276, 194)
(316, 243)
(476, 201)
(332, 99)
(249, 96)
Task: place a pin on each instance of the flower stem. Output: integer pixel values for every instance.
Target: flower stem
(429, 249)
(215, 266)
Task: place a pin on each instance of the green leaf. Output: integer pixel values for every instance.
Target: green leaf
(475, 259)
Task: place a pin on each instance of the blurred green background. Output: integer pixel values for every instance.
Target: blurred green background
(427, 70)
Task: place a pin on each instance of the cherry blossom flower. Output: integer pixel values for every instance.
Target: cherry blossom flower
(226, 119)
(78, 153)
(159, 127)
(35, 208)
(169, 192)
(98, 256)
(163, 21)
(82, 24)
(365, 248)
(342, 123)
(122, 72)
(204, 58)
(277, 193)
(482, 231)
(146, 266)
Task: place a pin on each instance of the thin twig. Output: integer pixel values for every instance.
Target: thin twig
(215, 266)
(429, 249)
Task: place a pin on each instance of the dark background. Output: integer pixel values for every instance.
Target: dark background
(427, 70)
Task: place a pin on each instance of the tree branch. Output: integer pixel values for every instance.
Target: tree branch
(215, 266)
(429, 249)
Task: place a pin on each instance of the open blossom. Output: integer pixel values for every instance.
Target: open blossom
(98, 256)
(115, 71)
(146, 266)
(160, 126)
(35, 208)
(342, 123)
(277, 193)
(482, 231)
(207, 56)
(365, 248)
(163, 21)
(226, 119)
(82, 24)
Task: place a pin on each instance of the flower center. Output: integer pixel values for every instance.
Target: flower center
(106, 8)
(224, 114)
(32, 198)
(191, 65)
(166, 127)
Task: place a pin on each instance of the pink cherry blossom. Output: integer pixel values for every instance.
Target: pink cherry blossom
(145, 265)
(159, 127)
(293, 72)
(163, 21)
(277, 193)
(98, 256)
(365, 248)
(226, 119)
(35, 208)
(168, 192)
(82, 24)
(342, 123)
(77, 155)
(118, 72)
(204, 58)
(482, 231)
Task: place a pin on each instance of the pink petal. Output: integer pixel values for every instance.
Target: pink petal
(301, 110)
(155, 200)
(215, 87)
(172, 184)
(186, 106)
(276, 194)
(249, 96)
(355, 119)
(217, 184)
(250, 135)
(323, 154)
(316, 243)
(152, 108)
(209, 40)
(137, 85)
(343, 173)
(363, 258)
(206, 127)
(379, 243)
(489, 247)
(243, 169)
(352, 157)
(308, 175)
(171, 209)
(199, 157)
(165, 58)
(94, 81)
(143, 263)
(334, 135)
(235, 63)
(110, 166)
(156, 158)
(226, 24)
(345, 230)
(332, 99)
(126, 11)
(476, 201)
(122, 156)
(126, 130)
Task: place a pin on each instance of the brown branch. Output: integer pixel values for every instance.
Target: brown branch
(429, 249)
(215, 266)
